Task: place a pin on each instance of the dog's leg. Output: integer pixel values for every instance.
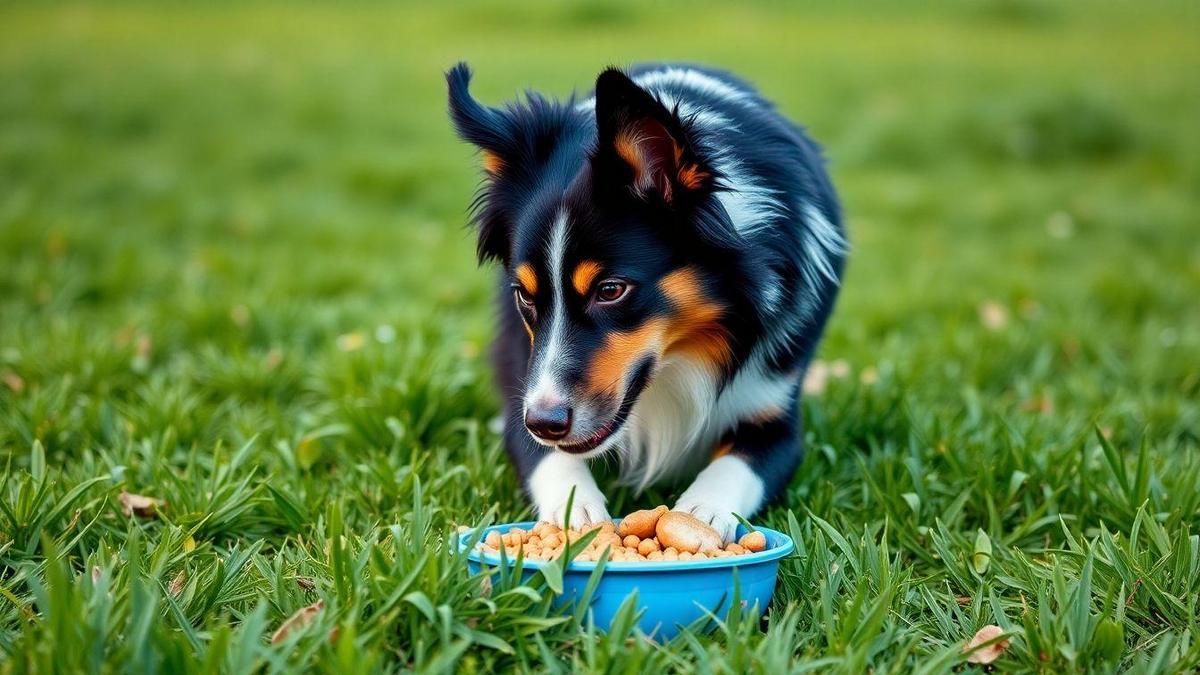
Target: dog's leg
(550, 487)
(752, 465)
(548, 477)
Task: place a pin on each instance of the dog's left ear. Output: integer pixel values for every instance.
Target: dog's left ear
(643, 146)
(489, 129)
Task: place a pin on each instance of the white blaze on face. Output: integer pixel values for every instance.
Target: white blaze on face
(545, 373)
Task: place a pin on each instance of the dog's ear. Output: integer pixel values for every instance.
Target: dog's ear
(489, 129)
(643, 146)
(492, 131)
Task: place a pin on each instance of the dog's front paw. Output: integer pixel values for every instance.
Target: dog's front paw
(718, 515)
(723, 488)
(551, 484)
(586, 509)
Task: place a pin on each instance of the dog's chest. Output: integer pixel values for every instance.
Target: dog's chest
(682, 414)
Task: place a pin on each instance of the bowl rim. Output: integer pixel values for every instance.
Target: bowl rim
(775, 553)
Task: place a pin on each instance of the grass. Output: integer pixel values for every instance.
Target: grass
(235, 278)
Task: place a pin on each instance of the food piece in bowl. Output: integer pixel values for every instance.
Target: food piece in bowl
(647, 546)
(753, 541)
(641, 524)
(686, 533)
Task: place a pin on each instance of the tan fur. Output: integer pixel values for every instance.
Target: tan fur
(722, 450)
(611, 362)
(585, 273)
(695, 327)
(527, 278)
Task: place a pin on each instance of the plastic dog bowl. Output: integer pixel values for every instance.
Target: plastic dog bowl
(670, 594)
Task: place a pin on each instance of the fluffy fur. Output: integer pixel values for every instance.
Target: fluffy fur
(670, 250)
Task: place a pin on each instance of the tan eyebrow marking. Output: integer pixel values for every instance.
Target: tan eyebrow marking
(585, 273)
(527, 278)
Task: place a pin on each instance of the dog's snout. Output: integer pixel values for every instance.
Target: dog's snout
(548, 422)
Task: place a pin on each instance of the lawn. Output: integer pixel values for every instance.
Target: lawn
(235, 277)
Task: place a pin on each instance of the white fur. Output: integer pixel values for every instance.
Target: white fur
(667, 421)
(751, 206)
(822, 242)
(705, 119)
(752, 391)
(680, 416)
(546, 387)
(695, 80)
(723, 488)
(550, 486)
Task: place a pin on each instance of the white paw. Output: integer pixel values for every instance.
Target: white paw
(723, 488)
(550, 486)
(585, 510)
(719, 516)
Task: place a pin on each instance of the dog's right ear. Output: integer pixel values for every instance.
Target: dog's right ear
(486, 128)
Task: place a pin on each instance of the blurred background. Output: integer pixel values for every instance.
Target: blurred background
(249, 218)
(236, 278)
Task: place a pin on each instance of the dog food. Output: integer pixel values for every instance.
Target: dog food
(651, 535)
(641, 524)
(683, 532)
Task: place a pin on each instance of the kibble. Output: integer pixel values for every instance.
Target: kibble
(647, 546)
(754, 541)
(651, 535)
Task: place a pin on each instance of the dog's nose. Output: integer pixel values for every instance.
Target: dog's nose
(549, 423)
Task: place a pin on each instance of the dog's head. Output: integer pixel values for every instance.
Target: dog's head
(618, 255)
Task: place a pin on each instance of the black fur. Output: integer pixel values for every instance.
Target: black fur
(777, 279)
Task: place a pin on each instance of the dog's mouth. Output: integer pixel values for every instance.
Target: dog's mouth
(610, 428)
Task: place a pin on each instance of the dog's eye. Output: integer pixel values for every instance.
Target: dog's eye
(524, 298)
(611, 290)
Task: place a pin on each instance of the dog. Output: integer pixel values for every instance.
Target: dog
(671, 248)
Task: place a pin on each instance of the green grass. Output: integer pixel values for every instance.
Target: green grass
(234, 276)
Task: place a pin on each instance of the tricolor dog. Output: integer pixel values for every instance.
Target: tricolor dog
(671, 248)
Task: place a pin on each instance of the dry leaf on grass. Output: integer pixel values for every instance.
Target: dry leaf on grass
(177, 583)
(300, 619)
(988, 654)
(139, 505)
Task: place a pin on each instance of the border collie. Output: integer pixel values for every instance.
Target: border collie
(671, 249)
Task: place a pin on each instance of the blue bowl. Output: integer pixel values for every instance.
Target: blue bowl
(670, 594)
